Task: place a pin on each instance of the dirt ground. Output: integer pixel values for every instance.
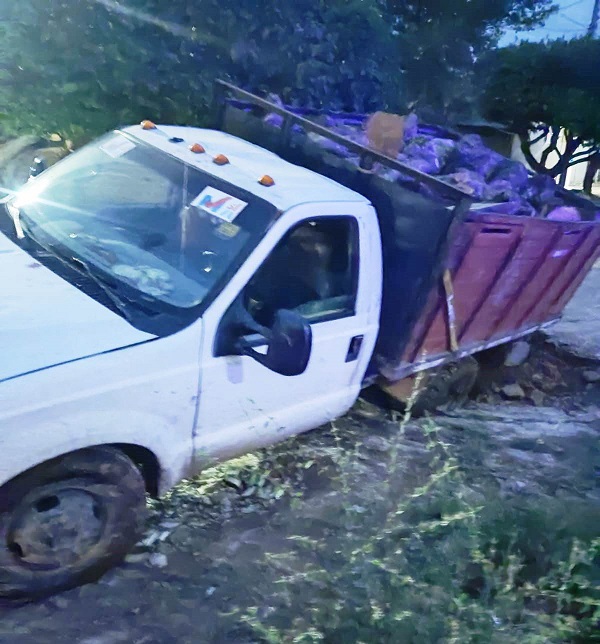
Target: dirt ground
(203, 554)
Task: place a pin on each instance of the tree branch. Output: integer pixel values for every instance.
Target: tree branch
(562, 164)
(593, 167)
(576, 161)
(531, 160)
(541, 137)
(553, 147)
(588, 151)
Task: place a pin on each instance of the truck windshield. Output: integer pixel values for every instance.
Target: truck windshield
(137, 217)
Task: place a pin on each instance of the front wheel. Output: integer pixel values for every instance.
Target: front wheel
(66, 522)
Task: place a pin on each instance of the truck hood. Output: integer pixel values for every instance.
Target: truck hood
(45, 321)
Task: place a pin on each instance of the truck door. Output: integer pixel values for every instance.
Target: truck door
(328, 269)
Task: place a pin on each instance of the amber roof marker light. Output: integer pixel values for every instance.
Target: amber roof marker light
(196, 148)
(148, 125)
(221, 159)
(266, 181)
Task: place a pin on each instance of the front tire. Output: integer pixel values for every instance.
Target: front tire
(66, 522)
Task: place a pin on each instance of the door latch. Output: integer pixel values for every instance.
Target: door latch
(354, 348)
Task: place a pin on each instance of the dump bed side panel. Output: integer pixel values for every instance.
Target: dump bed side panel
(510, 276)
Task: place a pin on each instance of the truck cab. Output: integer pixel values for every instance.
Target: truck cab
(177, 295)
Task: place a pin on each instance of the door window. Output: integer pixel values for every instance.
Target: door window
(313, 271)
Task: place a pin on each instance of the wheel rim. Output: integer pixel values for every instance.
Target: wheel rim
(56, 527)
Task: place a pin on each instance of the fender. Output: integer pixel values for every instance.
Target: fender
(144, 395)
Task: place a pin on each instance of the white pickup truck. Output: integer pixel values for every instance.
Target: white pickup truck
(171, 297)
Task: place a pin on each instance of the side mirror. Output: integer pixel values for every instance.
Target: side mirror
(38, 165)
(289, 345)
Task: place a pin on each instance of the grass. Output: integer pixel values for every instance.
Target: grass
(439, 562)
(416, 546)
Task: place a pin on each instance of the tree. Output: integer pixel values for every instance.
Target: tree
(80, 67)
(438, 43)
(545, 91)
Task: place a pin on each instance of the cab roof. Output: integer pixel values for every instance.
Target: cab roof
(293, 186)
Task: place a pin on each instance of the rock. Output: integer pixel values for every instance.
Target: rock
(591, 376)
(61, 602)
(590, 416)
(524, 444)
(518, 354)
(158, 560)
(506, 422)
(513, 392)
(518, 487)
(376, 443)
(539, 381)
(136, 558)
(183, 536)
(367, 410)
(111, 637)
(150, 540)
(537, 397)
(578, 332)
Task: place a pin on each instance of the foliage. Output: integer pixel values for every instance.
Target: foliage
(94, 65)
(547, 88)
(438, 43)
(89, 69)
(80, 67)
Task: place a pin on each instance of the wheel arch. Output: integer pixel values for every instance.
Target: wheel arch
(147, 462)
(142, 457)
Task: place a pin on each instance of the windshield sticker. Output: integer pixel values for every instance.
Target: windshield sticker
(227, 230)
(117, 147)
(219, 204)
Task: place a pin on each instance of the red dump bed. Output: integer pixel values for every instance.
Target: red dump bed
(510, 276)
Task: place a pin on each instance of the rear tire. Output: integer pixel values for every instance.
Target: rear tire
(66, 522)
(451, 384)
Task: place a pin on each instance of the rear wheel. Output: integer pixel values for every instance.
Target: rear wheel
(450, 384)
(66, 522)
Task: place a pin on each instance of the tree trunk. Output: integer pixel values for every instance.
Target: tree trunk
(590, 173)
(531, 160)
(562, 181)
(562, 165)
(553, 147)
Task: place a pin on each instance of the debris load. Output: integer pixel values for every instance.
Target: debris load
(497, 183)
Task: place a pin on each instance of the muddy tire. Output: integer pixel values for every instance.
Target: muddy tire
(66, 522)
(448, 385)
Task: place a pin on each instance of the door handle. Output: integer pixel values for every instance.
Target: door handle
(354, 348)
